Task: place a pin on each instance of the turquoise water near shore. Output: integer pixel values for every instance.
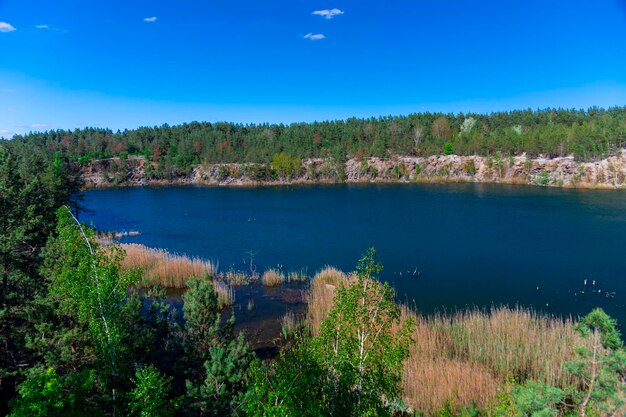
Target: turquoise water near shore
(443, 246)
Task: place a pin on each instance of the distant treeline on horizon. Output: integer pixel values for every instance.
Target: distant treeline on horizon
(587, 134)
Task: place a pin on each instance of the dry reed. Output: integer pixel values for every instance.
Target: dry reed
(164, 268)
(273, 278)
(289, 324)
(297, 276)
(320, 296)
(466, 357)
(225, 293)
(168, 270)
(236, 278)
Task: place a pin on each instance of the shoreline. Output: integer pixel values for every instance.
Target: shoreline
(562, 172)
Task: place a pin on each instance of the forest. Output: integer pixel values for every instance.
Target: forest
(78, 339)
(588, 135)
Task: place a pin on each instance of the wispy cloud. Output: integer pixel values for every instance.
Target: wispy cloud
(6, 27)
(314, 36)
(328, 13)
(34, 126)
(50, 28)
(6, 134)
(150, 19)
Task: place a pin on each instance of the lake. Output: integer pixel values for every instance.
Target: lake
(443, 247)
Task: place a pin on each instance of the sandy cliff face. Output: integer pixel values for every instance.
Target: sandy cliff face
(608, 173)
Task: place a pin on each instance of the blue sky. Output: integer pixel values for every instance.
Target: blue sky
(123, 64)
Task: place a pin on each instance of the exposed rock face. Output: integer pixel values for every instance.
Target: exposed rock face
(556, 172)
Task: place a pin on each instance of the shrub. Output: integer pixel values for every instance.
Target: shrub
(273, 278)
(286, 166)
(297, 276)
(470, 167)
(418, 169)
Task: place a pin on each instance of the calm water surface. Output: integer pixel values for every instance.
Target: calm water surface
(442, 246)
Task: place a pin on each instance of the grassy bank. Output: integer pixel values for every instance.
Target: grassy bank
(455, 360)
(467, 357)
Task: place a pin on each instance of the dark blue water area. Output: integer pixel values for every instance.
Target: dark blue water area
(443, 247)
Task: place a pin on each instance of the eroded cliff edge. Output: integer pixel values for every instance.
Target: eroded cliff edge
(608, 173)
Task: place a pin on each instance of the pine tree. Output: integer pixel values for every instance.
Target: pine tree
(215, 387)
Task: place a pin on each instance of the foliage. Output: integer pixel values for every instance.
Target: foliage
(600, 366)
(32, 187)
(218, 359)
(292, 385)
(149, 398)
(537, 400)
(356, 347)
(91, 284)
(286, 166)
(43, 395)
(587, 134)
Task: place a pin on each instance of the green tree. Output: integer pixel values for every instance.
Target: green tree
(292, 385)
(286, 166)
(600, 366)
(31, 189)
(149, 397)
(535, 399)
(362, 357)
(215, 388)
(91, 285)
(43, 395)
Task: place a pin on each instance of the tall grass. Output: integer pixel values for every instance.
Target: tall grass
(466, 357)
(172, 271)
(289, 324)
(164, 268)
(320, 296)
(297, 276)
(514, 341)
(273, 278)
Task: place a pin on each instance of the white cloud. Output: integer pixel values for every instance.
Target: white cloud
(6, 27)
(150, 19)
(328, 13)
(314, 36)
(39, 126)
(6, 134)
(42, 26)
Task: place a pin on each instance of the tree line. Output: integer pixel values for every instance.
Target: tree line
(587, 134)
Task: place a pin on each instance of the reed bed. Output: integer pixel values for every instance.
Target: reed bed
(428, 385)
(273, 278)
(225, 293)
(236, 278)
(467, 356)
(320, 296)
(514, 341)
(297, 277)
(289, 324)
(164, 268)
(169, 270)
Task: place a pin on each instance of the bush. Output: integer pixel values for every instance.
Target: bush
(286, 166)
(470, 167)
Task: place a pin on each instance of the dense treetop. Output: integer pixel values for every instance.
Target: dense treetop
(587, 134)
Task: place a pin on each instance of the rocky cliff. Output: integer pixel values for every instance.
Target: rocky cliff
(609, 173)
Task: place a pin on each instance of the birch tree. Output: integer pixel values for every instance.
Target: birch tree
(92, 286)
(362, 356)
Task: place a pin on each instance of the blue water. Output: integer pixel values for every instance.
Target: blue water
(443, 246)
